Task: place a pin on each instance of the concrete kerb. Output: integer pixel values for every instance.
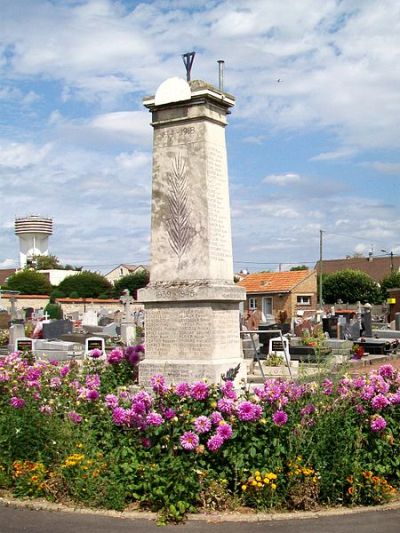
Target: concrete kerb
(217, 517)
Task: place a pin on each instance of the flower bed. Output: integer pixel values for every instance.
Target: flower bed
(82, 434)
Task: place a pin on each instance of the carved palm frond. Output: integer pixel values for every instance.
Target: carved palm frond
(180, 231)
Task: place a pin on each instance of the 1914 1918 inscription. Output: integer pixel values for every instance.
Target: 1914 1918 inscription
(195, 330)
(172, 136)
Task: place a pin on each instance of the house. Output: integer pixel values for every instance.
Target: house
(376, 267)
(123, 270)
(5, 273)
(276, 292)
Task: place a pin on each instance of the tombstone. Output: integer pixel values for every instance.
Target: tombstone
(95, 343)
(24, 344)
(128, 334)
(105, 320)
(126, 300)
(366, 321)
(191, 303)
(89, 318)
(56, 328)
(279, 346)
(28, 313)
(110, 329)
(16, 331)
(13, 308)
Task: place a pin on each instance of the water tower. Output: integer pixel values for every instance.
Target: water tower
(33, 233)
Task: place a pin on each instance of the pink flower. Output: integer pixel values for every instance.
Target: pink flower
(199, 390)
(64, 371)
(378, 423)
(74, 417)
(115, 356)
(96, 353)
(379, 402)
(216, 417)
(248, 411)
(46, 409)
(17, 403)
(182, 389)
(157, 383)
(386, 371)
(189, 440)
(225, 405)
(119, 416)
(111, 401)
(55, 383)
(92, 395)
(154, 419)
(202, 424)
(224, 430)
(214, 443)
(280, 418)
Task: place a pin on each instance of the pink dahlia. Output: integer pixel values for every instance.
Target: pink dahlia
(280, 418)
(189, 440)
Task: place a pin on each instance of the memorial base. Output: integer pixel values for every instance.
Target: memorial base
(178, 371)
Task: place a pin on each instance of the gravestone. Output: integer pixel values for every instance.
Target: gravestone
(279, 346)
(110, 329)
(16, 331)
(89, 318)
(191, 303)
(95, 343)
(56, 328)
(24, 344)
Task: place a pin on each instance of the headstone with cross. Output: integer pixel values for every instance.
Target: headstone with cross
(126, 300)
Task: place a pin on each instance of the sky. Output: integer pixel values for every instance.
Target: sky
(313, 141)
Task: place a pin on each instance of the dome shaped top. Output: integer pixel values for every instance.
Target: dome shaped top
(172, 90)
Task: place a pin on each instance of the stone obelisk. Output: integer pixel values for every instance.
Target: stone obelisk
(191, 303)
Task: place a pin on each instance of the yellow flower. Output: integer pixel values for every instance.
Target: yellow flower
(271, 475)
(254, 483)
(244, 487)
(266, 480)
(257, 473)
(258, 478)
(273, 486)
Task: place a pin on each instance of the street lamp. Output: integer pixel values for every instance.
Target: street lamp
(391, 259)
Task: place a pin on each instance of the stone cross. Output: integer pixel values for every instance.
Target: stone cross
(126, 300)
(13, 310)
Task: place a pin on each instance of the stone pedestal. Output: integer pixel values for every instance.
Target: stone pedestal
(192, 325)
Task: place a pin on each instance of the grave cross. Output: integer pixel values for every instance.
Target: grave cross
(126, 300)
(13, 310)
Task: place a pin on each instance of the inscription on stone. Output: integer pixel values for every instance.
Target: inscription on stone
(217, 199)
(196, 330)
(177, 135)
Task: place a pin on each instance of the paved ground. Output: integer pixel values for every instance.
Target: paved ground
(17, 520)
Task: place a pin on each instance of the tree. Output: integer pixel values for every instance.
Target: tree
(392, 281)
(132, 282)
(54, 311)
(299, 267)
(350, 286)
(46, 262)
(29, 282)
(86, 285)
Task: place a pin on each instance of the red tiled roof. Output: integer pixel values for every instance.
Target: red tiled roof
(267, 282)
(378, 268)
(5, 273)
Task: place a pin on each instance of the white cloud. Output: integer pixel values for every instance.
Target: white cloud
(131, 125)
(282, 179)
(385, 167)
(20, 155)
(341, 153)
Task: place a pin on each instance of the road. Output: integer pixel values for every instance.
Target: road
(20, 520)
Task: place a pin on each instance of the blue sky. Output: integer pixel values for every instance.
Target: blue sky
(318, 150)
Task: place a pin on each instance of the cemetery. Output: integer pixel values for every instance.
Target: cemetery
(186, 405)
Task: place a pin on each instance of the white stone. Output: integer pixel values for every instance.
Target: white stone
(172, 90)
(93, 343)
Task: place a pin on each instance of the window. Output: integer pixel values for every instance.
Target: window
(303, 300)
(252, 303)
